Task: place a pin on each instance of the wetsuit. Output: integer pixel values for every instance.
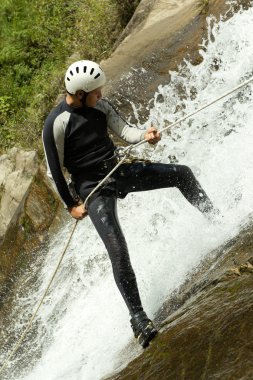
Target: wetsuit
(77, 138)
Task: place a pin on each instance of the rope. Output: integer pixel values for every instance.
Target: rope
(19, 342)
(126, 152)
(109, 174)
(200, 109)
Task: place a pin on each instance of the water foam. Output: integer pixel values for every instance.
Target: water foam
(84, 323)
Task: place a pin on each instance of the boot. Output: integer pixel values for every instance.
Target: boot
(143, 328)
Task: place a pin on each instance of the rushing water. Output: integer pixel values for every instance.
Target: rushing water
(84, 325)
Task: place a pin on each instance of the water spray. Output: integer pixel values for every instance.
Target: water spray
(125, 153)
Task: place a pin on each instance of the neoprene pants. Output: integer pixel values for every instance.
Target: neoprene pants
(103, 213)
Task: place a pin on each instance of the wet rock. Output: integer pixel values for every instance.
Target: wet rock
(17, 170)
(210, 337)
(39, 207)
(247, 267)
(28, 207)
(159, 37)
(206, 327)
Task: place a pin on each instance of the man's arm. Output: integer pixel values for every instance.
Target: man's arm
(118, 125)
(124, 130)
(53, 141)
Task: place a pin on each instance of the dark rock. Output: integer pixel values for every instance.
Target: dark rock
(210, 337)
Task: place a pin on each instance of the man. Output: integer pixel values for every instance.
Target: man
(76, 137)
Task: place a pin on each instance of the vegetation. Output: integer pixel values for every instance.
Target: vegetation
(38, 40)
(126, 9)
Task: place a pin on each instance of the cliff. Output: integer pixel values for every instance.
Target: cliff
(27, 208)
(206, 326)
(209, 336)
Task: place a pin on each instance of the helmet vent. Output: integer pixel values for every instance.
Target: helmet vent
(83, 75)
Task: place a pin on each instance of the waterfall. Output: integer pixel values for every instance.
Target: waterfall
(83, 326)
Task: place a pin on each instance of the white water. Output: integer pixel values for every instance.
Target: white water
(84, 325)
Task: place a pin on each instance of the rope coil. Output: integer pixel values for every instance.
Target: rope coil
(125, 152)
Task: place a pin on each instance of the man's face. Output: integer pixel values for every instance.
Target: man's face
(93, 97)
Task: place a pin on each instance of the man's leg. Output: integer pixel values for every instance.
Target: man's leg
(103, 213)
(149, 176)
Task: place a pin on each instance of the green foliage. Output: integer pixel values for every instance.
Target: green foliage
(5, 105)
(7, 136)
(98, 27)
(2, 188)
(203, 5)
(126, 9)
(32, 37)
(37, 39)
(27, 226)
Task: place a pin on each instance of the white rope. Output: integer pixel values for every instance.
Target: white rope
(200, 109)
(109, 174)
(29, 325)
(126, 152)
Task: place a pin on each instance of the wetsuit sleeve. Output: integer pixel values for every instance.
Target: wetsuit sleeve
(53, 141)
(118, 125)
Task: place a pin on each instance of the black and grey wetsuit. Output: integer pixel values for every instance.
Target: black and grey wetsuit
(77, 138)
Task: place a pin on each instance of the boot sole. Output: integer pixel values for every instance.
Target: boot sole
(145, 342)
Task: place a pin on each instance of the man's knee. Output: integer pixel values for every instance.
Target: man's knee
(184, 173)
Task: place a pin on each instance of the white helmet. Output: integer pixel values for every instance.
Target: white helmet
(84, 75)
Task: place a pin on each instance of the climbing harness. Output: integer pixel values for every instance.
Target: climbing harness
(123, 156)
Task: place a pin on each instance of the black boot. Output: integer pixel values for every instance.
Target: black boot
(143, 328)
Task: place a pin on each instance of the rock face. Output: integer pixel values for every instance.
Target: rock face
(211, 335)
(207, 327)
(27, 208)
(161, 34)
(17, 169)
